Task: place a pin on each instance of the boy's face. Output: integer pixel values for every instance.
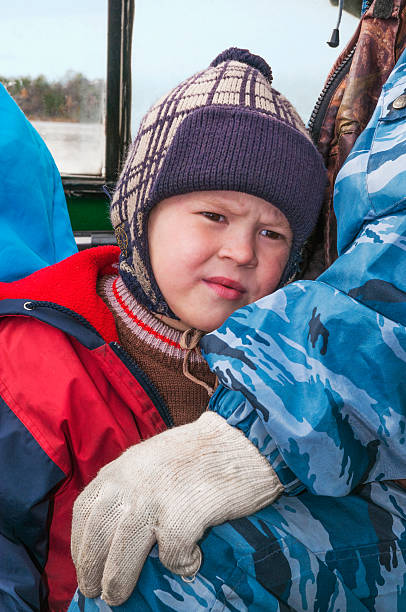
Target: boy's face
(215, 251)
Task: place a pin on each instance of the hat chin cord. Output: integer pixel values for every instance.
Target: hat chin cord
(190, 342)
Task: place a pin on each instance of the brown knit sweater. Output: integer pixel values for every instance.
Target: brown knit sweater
(156, 349)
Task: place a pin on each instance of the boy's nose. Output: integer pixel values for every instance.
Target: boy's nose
(240, 249)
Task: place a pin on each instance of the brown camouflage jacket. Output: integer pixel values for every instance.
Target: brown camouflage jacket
(346, 104)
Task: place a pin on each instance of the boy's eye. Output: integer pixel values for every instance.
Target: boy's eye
(213, 216)
(271, 234)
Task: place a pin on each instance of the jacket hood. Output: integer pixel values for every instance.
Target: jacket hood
(34, 221)
(72, 283)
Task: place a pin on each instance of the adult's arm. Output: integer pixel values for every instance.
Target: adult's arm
(320, 366)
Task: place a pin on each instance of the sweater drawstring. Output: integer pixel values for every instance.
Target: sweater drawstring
(190, 342)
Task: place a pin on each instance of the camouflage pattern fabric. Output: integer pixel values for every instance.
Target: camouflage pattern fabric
(320, 365)
(302, 553)
(376, 46)
(315, 376)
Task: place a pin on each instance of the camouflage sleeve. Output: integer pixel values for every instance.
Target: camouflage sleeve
(240, 413)
(321, 364)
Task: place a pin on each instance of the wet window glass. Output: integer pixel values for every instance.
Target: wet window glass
(174, 38)
(53, 62)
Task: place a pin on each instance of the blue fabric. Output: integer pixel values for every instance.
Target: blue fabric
(321, 365)
(314, 375)
(21, 589)
(34, 222)
(301, 553)
(365, 6)
(60, 317)
(24, 507)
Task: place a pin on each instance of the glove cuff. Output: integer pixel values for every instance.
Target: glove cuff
(238, 463)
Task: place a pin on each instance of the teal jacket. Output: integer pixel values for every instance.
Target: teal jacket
(34, 223)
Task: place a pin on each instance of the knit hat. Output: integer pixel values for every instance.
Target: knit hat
(224, 128)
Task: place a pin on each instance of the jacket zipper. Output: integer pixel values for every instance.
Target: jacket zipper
(320, 108)
(145, 382)
(128, 361)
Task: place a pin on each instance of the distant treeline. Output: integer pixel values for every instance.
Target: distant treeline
(73, 98)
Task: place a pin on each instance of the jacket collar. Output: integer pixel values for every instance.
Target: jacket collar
(72, 283)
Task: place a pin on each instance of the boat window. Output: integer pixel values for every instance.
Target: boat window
(54, 58)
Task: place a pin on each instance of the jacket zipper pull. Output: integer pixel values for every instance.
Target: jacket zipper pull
(335, 36)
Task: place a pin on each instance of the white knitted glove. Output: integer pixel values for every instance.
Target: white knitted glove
(169, 489)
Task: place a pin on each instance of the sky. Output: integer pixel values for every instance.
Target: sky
(51, 37)
(173, 39)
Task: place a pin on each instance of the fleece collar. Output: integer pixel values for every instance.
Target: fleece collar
(72, 283)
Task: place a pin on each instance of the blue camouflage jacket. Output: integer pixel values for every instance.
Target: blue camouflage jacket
(314, 374)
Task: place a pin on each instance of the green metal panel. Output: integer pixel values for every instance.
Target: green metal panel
(89, 214)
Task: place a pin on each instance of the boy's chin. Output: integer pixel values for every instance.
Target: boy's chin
(204, 324)
(183, 325)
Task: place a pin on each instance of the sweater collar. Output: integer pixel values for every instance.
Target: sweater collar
(141, 322)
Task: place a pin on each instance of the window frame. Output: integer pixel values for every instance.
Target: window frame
(118, 104)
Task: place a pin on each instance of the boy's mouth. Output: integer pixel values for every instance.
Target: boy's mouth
(225, 287)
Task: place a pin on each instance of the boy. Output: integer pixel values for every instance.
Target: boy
(219, 192)
(313, 375)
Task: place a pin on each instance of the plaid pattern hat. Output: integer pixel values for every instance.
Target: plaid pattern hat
(224, 128)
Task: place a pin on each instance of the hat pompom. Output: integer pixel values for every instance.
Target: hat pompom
(245, 57)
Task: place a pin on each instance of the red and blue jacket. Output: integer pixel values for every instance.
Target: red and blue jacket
(71, 400)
